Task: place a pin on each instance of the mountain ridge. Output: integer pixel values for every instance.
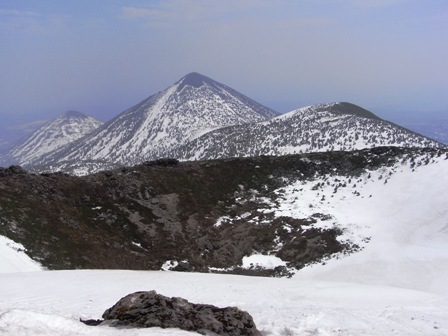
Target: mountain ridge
(210, 214)
(316, 128)
(198, 118)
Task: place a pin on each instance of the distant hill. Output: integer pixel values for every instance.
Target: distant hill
(318, 128)
(65, 128)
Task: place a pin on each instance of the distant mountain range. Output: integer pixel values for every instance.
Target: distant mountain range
(198, 118)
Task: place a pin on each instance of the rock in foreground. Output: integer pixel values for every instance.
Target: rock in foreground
(149, 309)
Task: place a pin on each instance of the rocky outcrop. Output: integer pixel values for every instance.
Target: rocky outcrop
(150, 309)
(12, 170)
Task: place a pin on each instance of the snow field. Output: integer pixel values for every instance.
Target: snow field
(403, 228)
(52, 302)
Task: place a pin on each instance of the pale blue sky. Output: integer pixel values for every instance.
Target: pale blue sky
(101, 57)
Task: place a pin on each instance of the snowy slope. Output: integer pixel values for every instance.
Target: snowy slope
(395, 284)
(398, 215)
(185, 110)
(14, 259)
(318, 128)
(65, 128)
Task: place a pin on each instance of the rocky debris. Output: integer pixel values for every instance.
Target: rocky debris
(12, 170)
(91, 322)
(164, 162)
(150, 309)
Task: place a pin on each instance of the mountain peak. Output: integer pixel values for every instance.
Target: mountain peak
(194, 79)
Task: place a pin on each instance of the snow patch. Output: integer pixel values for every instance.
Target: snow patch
(263, 261)
(14, 259)
(222, 220)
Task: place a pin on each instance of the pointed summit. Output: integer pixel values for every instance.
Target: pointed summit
(203, 85)
(195, 80)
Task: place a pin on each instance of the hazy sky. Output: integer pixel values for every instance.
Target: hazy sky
(101, 57)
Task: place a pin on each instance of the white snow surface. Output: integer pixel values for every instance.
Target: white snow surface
(51, 303)
(396, 285)
(401, 223)
(265, 261)
(14, 259)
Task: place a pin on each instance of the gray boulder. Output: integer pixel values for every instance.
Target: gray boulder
(149, 309)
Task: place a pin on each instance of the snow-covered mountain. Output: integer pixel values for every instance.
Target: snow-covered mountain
(65, 128)
(192, 106)
(198, 118)
(318, 128)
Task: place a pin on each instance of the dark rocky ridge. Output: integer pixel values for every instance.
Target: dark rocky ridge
(141, 217)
